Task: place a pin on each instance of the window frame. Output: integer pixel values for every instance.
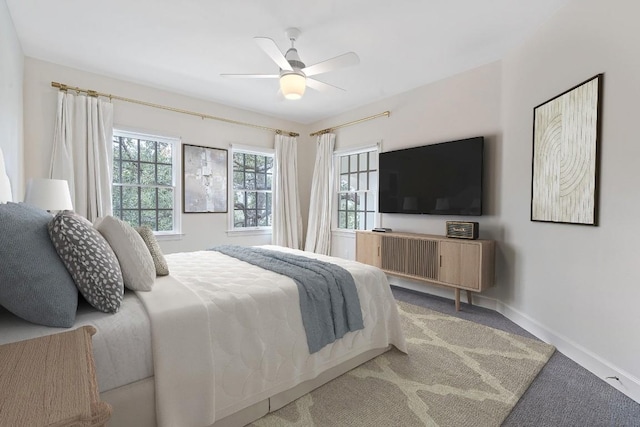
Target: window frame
(176, 150)
(337, 155)
(248, 149)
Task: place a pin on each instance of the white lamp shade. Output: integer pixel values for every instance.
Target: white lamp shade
(293, 85)
(49, 194)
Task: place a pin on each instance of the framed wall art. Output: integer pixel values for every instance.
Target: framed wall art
(566, 137)
(204, 179)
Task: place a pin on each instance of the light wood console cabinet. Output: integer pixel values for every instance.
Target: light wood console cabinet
(457, 263)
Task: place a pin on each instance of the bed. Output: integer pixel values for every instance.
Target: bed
(220, 341)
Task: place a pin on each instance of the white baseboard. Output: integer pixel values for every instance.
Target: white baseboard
(626, 383)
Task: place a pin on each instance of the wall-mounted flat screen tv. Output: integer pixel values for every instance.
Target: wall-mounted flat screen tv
(438, 179)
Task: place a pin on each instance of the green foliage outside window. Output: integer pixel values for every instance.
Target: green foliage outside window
(252, 196)
(358, 180)
(143, 192)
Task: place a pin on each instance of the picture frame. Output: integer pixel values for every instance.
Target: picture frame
(204, 179)
(565, 161)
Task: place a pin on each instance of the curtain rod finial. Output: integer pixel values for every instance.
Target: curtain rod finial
(60, 86)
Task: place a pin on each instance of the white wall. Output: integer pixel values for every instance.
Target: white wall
(11, 111)
(581, 283)
(201, 230)
(574, 286)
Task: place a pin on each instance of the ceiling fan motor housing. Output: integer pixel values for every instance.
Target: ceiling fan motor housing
(294, 59)
(292, 54)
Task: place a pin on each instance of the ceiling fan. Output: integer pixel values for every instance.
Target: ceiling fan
(294, 75)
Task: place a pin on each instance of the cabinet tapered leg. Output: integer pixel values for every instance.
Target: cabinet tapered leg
(457, 293)
(469, 298)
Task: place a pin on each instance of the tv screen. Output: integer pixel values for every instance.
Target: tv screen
(438, 179)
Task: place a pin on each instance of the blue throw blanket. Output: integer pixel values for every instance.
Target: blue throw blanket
(329, 301)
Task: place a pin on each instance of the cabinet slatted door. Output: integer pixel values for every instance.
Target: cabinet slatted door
(394, 254)
(422, 258)
(459, 264)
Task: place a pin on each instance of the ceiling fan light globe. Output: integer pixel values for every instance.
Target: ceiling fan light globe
(293, 85)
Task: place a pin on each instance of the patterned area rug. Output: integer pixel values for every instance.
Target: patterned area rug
(457, 373)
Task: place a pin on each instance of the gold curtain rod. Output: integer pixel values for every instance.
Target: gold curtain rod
(65, 87)
(327, 130)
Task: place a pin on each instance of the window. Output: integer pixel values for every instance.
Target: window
(144, 189)
(252, 182)
(357, 189)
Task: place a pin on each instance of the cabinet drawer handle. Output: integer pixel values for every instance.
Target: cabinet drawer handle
(440, 260)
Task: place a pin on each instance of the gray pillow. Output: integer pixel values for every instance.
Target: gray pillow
(162, 269)
(90, 260)
(34, 283)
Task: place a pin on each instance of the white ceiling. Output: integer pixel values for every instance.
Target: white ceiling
(184, 46)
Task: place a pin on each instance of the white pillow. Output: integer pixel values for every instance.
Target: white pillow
(136, 263)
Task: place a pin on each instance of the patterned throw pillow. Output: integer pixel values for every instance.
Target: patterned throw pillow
(136, 262)
(162, 269)
(90, 260)
(34, 283)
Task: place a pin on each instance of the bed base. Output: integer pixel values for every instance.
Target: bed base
(134, 404)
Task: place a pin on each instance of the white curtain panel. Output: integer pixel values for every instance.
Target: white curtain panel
(82, 152)
(5, 184)
(287, 222)
(62, 156)
(321, 206)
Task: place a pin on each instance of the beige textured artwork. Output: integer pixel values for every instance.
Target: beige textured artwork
(457, 373)
(565, 155)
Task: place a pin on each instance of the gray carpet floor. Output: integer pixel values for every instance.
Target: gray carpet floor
(563, 394)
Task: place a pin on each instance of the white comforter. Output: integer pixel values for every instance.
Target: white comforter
(257, 345)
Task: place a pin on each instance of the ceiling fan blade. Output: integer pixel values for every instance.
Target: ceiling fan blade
(251, 76)
(321, 86)
(271, 48)
(345, 60)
